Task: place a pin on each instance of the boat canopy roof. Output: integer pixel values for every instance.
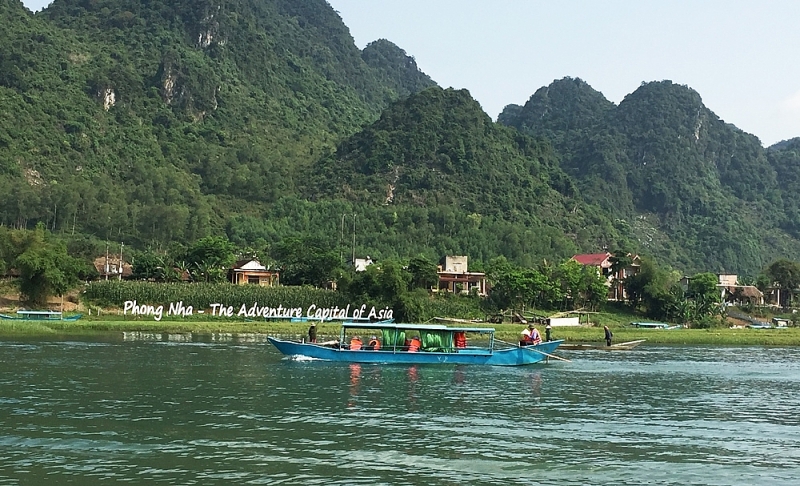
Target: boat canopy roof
(415, 327)
(38, 313)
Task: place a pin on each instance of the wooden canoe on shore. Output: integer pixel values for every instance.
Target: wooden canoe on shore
(614, 347)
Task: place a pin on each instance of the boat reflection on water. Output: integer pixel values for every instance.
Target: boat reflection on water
(413, 378)
(534, 381)
(355, 383)
(460, 375)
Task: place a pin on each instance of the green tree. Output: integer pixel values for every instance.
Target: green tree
(148, 265)
(593, 287)
(569, 275)
(211, 250)
(650, 289)
(705, 298)
(620, 260)
(46, 269)
(423, 273)
(785, 273)
(306, 261)
(207, 260)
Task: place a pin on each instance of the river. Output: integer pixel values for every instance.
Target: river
(224, 409)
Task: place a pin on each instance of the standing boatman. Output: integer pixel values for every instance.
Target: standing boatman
(609, 335)
(312, 333)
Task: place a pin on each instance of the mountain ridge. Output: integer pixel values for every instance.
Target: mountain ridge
(159, 122)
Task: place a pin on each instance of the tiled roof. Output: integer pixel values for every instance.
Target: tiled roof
(594, 259)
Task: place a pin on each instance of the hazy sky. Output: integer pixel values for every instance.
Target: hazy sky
(740, 55)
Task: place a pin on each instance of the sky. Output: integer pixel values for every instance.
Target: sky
(739, 55)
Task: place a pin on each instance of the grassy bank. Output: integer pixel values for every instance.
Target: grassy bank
(505, 332)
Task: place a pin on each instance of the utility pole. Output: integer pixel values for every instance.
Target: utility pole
(354, 239)
(341, 240)
(106, 267)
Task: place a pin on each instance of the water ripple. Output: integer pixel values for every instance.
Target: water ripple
(223, 411)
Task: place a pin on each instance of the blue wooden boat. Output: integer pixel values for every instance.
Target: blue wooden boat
(438, 346)
(26, 315)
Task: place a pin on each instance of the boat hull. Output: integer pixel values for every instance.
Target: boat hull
(44, 319)
(614, 347)
(500, 357)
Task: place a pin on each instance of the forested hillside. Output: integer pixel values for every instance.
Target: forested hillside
(160, 122)
(695, 191)
(157, 121)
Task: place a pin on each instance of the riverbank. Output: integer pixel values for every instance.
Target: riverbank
(505, 332)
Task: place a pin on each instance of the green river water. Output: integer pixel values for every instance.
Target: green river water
(221, 409)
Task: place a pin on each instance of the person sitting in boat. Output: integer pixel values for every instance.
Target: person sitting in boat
(530, 336)
(460, 339)
(374, 344)
(355, 343)
(414, 344)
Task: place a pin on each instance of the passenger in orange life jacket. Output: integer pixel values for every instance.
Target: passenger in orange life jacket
(536, 338)
(460, 339)
(374, 344)
(355, 343)
(414, 345)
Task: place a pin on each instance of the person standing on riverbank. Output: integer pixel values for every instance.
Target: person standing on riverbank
(608, 336)
(312, 333)
(548, 332)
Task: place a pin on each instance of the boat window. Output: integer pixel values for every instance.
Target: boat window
(437, 341)
(392, 338)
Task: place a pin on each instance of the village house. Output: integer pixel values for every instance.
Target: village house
(112, 267)
(361, 264)
(454, 277)
(777, 296)
(731, 291)
(252, 272)
(614, 280)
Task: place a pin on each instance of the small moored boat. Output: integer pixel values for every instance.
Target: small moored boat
(614, 347)
(26, 315)
(437, 344)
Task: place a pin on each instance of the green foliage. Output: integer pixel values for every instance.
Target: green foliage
(423, 273)
(306, 261)
(568, 286)
(208, 259)
(697, 192)
(149, 265)
(661, 297)
(786, 274)
(651, 288)
(163, 123)
(45, 267)
(202, 295)
(213, 104)
(480, 184)
(384, 284)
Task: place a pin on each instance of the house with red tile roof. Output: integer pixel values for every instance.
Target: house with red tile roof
(603, 262)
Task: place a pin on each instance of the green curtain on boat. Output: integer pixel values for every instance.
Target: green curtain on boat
(437, 341)
(391, 338)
